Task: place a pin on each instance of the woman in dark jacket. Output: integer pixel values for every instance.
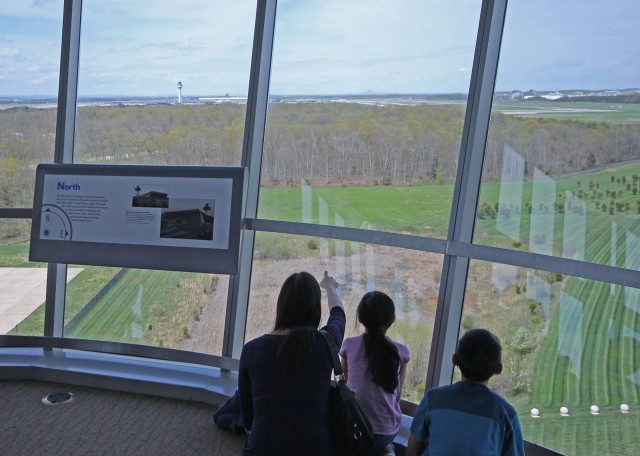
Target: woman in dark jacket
(283, 384)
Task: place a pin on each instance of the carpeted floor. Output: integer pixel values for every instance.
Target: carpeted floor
(102, 422)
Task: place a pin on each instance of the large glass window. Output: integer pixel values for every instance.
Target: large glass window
(561, 175)
(567, 342)
(30, 35)
(367, 107)
(410, 278)
(23, 284)
(162, 308)
(168, 85)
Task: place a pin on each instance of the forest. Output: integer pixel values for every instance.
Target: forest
(321, 144)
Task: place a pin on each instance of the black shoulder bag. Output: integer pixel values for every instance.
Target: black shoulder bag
(350, 428)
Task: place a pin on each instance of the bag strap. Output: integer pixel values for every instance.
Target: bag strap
(337, 367)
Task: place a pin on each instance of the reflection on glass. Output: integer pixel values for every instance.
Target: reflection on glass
(150, 307)
(570, 331)
(575, 222)
(22, 296)
(23, 284)
(570, 143)
(614, 252)
(539, 290)
(503, 276)
(410, 278)
(632, 261)
(542, 213)
(566, 342)
(511, 186)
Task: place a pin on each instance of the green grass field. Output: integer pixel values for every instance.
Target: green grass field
(578, 111)
(423, 210)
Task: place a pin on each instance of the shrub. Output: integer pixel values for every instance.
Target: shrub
(522, 342)
(518, 377)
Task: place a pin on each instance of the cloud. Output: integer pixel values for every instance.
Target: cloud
(8, 52)
(330, 46)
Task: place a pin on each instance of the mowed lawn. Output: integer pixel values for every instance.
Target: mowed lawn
(420, 209)
(581, 434)
(124, 313)
(578, 111)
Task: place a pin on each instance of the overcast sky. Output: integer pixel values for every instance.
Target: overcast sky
(144, 47)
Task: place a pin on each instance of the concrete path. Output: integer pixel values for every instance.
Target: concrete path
(22, 290)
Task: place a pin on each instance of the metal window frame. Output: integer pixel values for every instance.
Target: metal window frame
(65, 133)
(466, 191)
(252, 150)
(457, 249)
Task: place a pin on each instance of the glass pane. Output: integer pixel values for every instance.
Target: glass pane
(30, 34)
(561, 172)
(567, 342)
(168, 85)
(409, 277)
(162, 308)
(367, 118)
(23, 284)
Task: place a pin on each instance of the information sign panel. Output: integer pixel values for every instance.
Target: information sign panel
(154, 217)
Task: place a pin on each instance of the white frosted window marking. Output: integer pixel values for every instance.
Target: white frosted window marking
(539, 290)
(370, 258)
(575, 227)
(510, 200)
(570, 331)
(356, 270)
(306, 202)
(341, 267)
(632, 261)
(614, 253)
(323, 219)
(542, 213)
(502, 276)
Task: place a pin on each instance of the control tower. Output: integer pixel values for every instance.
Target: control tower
(179, 92)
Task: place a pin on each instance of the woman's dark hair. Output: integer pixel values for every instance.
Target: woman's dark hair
(377, 312)
(298, 310)
(479, 355)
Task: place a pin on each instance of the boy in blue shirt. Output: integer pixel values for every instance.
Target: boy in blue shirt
(467, 418)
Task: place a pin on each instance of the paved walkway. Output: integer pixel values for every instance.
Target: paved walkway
(22, 290)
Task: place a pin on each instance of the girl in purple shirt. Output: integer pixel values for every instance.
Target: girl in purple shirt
(375, 367)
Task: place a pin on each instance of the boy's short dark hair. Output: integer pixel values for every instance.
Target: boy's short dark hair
(479, 355)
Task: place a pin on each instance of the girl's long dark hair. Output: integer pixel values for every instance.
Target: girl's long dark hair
(377, 312)
(298, 311)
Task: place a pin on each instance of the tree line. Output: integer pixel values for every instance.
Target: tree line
(318, 143)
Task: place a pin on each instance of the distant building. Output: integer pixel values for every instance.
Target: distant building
(553, 96)
(187, 224)
(151, 199)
